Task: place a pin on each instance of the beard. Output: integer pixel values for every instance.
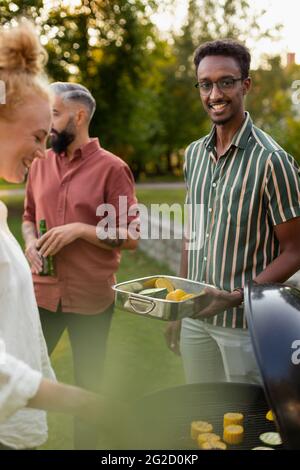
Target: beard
(221, 122)
(60, 141)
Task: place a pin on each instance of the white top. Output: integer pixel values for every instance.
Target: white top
(23, 352)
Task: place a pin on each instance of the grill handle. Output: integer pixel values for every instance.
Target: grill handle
(149, 303)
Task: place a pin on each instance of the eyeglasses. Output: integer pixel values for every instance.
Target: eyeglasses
(223, 84)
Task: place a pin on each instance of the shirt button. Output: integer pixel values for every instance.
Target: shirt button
(207, 235)
(210, 209)
(205, 259)
(214, 185)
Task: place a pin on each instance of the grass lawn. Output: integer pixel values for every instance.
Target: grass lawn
(138, 361)
(159, 196)
(164, 196)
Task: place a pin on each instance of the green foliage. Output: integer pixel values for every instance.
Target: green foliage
(271, 106)
(147, 108)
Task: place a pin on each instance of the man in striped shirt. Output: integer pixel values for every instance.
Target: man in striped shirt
(244, 193)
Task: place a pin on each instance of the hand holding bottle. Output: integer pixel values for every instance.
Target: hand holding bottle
(33, 256)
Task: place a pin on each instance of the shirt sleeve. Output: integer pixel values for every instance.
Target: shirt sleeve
(29, 204)
(18, 383)
(121, 194)
(282, 190)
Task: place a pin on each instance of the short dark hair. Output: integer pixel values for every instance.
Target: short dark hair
(227, 48)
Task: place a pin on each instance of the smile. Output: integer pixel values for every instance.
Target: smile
(218, 106)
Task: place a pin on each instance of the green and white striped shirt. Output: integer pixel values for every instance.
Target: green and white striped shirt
(235, 202)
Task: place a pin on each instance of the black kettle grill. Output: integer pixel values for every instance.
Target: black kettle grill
(273, 314)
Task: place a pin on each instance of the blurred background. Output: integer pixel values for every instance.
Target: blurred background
(136, 57)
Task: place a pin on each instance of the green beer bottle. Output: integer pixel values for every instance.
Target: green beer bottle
(48, 262)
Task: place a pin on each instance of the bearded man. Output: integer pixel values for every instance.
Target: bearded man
(66, 189)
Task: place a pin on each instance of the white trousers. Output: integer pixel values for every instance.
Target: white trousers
(215, 354)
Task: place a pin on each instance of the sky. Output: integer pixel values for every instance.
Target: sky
(277, 11)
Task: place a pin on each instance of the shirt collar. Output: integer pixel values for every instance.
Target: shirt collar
(84, 151)
(240, 138)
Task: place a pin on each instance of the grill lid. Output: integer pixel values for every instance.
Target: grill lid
(273, 315)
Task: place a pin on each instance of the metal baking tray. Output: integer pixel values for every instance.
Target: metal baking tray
(161, 309)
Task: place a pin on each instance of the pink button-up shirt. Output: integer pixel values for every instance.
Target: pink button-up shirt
(62, 192)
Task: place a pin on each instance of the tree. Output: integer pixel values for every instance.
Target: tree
(108, 47)
(270, 103)
(29, 8)
(147, 107)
